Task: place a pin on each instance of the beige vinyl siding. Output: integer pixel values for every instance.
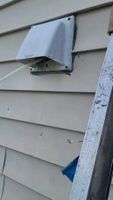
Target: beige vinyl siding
(1, 185)
(43, 118)
(92, 30)
(87, 34)
(16, 191)
(53, 145)
(40, 11)
(5, 3)
(6, 68)
(13, 42)
(50, 109)
(83, 79)
(2, 157)
(35, 174)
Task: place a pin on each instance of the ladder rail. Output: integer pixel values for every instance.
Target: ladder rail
(94, 132)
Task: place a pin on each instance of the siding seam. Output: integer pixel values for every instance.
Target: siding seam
(3, 188)
(24, 186)
(4, 5)
(5, 156)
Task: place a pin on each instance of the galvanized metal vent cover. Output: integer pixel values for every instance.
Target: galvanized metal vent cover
(48, 46)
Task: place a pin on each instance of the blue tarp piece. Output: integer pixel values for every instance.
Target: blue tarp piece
(70, 169)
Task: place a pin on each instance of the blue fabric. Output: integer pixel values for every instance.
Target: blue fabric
(70, 169)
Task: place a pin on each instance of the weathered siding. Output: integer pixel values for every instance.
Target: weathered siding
(14, 17)
(53, 145)
(82, 80)
(88, 30)
(14, 190)
(5, 3)
(35, 174)
(2, 158)
(47, 108)
(1, 185)
(43, 118)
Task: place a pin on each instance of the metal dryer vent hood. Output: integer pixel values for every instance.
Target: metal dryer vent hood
(52, 40)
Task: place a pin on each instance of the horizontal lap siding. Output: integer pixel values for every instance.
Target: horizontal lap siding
(1, 185)
(83, 78)
(21, 171)
(68, 111)
(43, 118)
(89, 34)
(6, 68)
(16, 191)
(92, 30)
(5, 3)
(14, 17)
(13, 42)
(40, 176)
(53, 145)
(2, 158)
